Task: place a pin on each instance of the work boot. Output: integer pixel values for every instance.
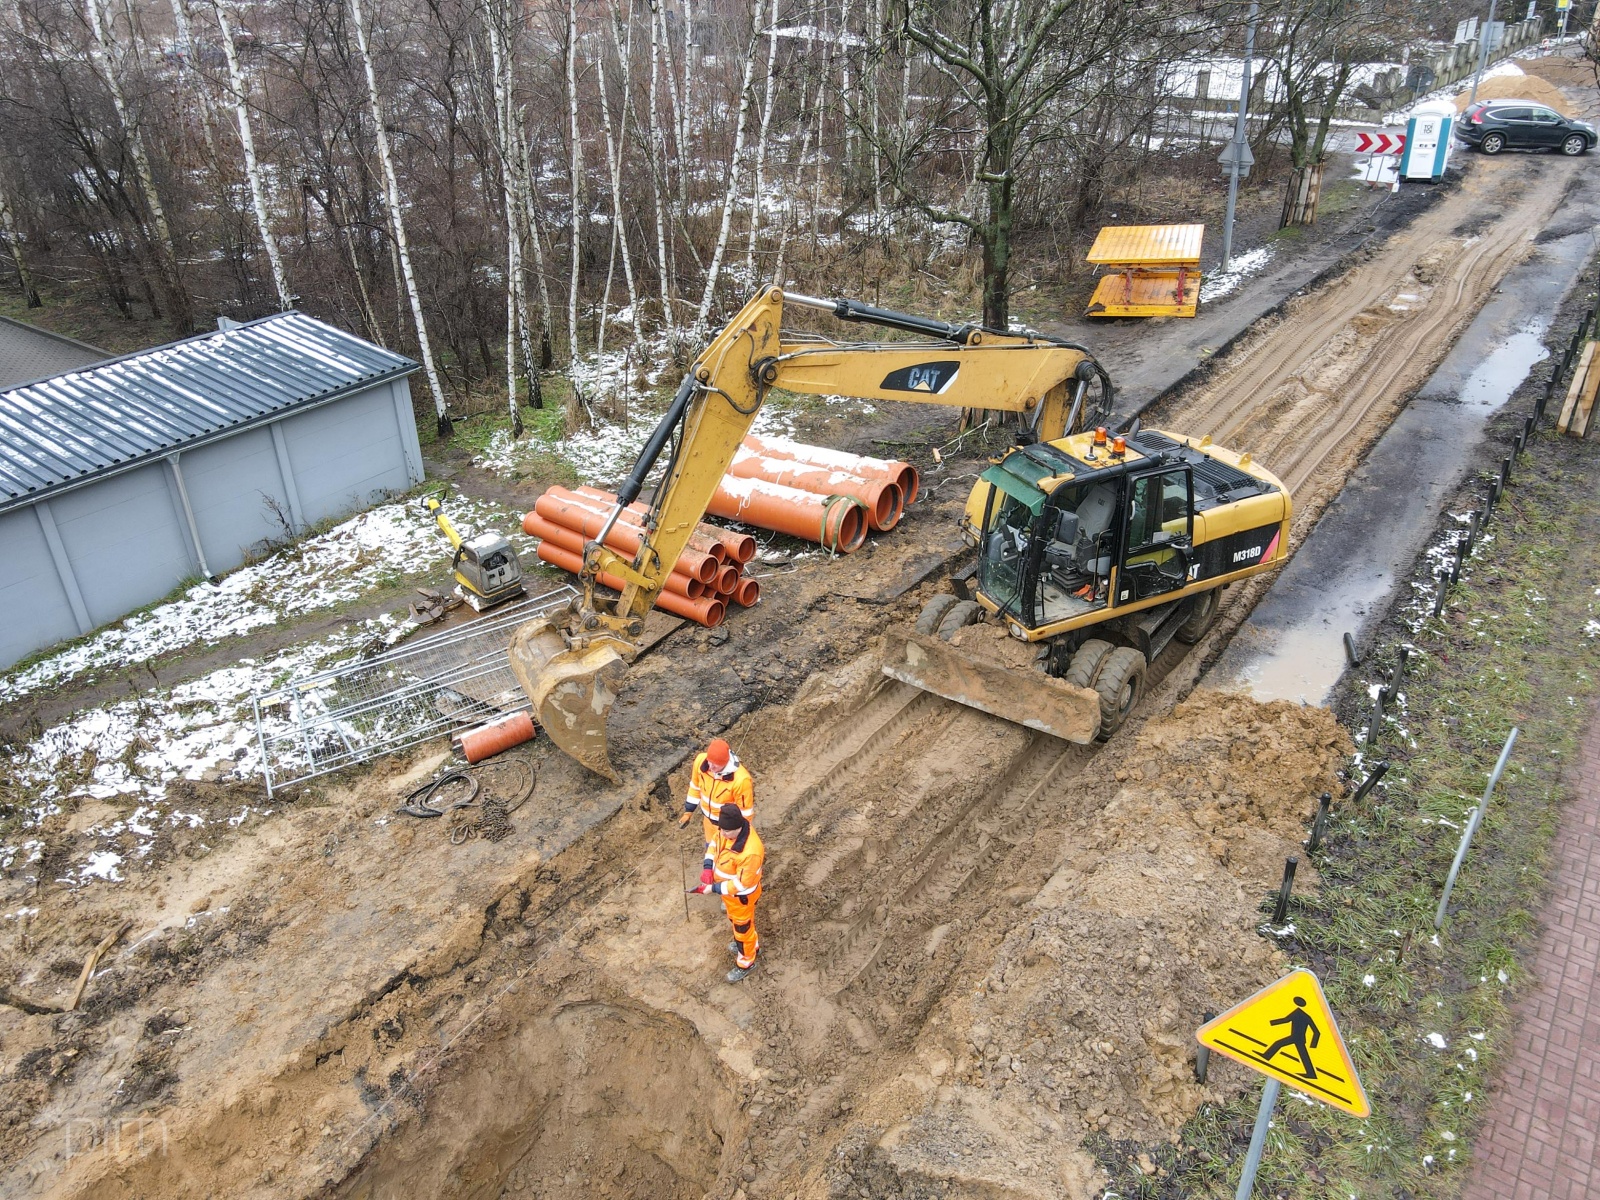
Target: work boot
(733, 948)
(738, 973)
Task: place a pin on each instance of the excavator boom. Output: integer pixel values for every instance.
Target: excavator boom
(571, 667)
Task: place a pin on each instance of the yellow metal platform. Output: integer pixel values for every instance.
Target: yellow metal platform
(1155, 270)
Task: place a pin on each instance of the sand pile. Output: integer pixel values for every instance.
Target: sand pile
(1086, 1020)
(1519, 87)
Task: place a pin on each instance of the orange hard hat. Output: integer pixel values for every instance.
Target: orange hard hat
(717, 754)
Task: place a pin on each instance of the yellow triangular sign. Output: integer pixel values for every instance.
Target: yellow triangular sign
(1287, 1032)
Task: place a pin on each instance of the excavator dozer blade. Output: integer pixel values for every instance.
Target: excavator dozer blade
(572, 690)
(1029, 698)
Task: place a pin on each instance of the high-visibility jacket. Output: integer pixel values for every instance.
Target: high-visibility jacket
(736, 863)
(708, 794)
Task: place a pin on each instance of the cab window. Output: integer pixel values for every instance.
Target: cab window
(1160, 510)
(1006, 529)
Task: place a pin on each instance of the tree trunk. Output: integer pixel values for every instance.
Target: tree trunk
(252, 169)
(614, 144)
(165, 250)
(576, 203)
(508, 198)
(397, 224)
(13, 238)
(658, 170)
(756, 191)
(735, 166)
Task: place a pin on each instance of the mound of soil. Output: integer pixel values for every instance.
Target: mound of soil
(1519, 87)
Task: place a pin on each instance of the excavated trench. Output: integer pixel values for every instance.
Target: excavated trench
(564, 1102)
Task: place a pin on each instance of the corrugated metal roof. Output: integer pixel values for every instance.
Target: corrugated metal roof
(63, 431)
(28, 353)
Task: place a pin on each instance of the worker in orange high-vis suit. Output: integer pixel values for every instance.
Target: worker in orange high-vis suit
(735, 875)
(718, 778)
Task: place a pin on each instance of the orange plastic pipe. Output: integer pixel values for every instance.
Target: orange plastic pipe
(837, 525)
(707, 610)
(623, 538)
(727, 581)
(725, 544)
(571, 539)
(897, 471)
(883, 499)
(701, 539)
(747, 593)
(486, 740)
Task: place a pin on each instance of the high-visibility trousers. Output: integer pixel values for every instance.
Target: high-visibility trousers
(741, 912)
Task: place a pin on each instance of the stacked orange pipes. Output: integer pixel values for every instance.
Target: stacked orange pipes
(809, 492)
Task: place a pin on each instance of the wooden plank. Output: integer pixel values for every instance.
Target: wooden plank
(1586, 396)
(1147, 245)
(1153, 294)
(1564, 422)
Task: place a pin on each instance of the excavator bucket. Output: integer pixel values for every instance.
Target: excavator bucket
(572, 690)
(1029, 698)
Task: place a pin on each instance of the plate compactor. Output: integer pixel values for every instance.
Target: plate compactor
(484, 566)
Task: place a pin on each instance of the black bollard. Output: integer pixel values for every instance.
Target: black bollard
(1350, 655)
(1505, 478)
(1378, 771)
(1319, 823)
(1444, 587)
(1202, 1054)
(1281, 913)
(1402, 656)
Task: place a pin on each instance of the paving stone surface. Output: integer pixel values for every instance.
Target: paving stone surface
(1544, 1113)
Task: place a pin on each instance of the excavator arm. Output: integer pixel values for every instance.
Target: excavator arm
(571, 667)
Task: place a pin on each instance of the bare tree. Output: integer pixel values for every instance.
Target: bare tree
(106, 49)
(735, 168)
(252, 169)
(397, 224)
(1008, 63)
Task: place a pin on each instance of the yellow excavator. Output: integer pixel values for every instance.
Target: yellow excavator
(1097, 549)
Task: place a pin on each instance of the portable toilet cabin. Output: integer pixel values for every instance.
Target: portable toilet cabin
(1428, 131)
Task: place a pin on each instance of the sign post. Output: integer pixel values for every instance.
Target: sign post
(1287, 1032)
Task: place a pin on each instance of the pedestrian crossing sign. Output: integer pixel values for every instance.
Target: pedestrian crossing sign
(1287, 1032)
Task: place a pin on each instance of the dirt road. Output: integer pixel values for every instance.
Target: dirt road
(984, 950)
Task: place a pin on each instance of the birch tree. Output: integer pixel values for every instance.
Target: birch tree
(577, 203)
(735, 166)
(758, 191)
(397, 223)
(623, 43)
(252, 168)
(516, 317)
(657, 157)
(9, 229)
(105, 49)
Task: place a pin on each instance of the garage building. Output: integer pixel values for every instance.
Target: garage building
(121, 480)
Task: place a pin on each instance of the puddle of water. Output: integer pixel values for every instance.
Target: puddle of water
(1291, 648)
(1494, 379)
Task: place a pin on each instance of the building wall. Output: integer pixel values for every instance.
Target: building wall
(235, 487)
(38, 610)
(126, 538)
(345, 455)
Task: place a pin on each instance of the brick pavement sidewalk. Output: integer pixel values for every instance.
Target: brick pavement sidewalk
(1544, 1115)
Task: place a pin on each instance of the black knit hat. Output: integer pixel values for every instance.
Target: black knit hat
(730, 818)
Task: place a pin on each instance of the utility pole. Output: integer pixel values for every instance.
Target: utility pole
(1240, 140)
(1483, 55)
